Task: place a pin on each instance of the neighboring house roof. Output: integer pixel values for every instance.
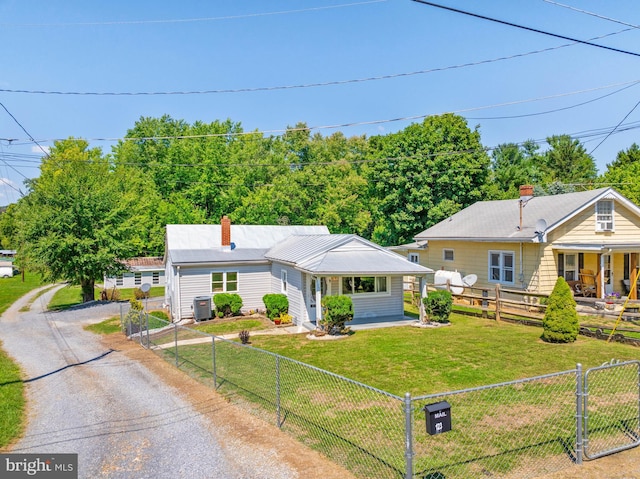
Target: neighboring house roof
(341, 254)
(499, 220)
(144, 263)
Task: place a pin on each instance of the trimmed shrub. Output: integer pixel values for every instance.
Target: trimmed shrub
(227, 304)
(560, 323)
(438, 305)
(276, 304)
(336, 311)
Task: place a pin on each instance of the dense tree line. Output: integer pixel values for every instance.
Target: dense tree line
(88, 208)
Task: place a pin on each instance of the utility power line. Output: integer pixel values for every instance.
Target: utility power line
(522, 27)
(586, 12)
(346, 125)
(188, 20)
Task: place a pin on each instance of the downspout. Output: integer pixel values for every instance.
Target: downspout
(521, 266)
(178, 294)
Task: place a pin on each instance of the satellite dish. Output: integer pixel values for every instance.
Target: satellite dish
(541, 226)
(469, 280)
(145, 288)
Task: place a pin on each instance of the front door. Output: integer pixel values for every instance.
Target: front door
(311, 294)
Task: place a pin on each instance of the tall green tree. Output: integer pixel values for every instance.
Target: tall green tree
(79, 217)
(623, 173)
(419, 176)
(513, 165)
(567, 161)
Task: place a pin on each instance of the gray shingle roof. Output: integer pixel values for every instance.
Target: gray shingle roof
(499, 220)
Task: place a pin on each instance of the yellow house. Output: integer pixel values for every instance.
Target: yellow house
(591, 238)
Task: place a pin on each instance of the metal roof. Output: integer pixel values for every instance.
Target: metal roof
(342, 254)
(200, 237)
(499, 220)
(217, 255)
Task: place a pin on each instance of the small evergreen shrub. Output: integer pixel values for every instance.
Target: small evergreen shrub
(438, 305)
(276, 304)
(136, 305)
(336, 311)
(227, 304)
(560, 323)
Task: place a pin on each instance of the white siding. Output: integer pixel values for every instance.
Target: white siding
(128, 280)
(253, 284)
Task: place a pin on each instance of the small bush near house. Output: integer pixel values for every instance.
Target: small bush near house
(276, 304)
(227, 304)
(336, 311)
(560, 323)
(438, 305)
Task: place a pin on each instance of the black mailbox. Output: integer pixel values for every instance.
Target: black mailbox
(438, 417)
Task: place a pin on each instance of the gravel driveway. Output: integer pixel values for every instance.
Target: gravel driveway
(121, 420)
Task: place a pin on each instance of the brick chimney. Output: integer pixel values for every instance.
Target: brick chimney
(526, 193)
(225, 223)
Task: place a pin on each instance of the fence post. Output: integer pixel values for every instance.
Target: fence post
(148, 340)
(485, 303)
(497, 302)
(279, 424)
(175, 339)
(213, 360)
(579, 413)
(408, 426)
(140, 333)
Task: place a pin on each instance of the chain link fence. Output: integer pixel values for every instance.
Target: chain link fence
(519, 429)
(611, 408)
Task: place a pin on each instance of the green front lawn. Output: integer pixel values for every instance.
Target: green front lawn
(470, 352)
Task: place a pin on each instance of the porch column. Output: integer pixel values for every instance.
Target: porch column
(600, 286)
(633, 293)
(318, 300)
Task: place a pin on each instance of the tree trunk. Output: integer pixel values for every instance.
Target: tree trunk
(87, 286)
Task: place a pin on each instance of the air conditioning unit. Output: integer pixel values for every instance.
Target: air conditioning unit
(202, 308)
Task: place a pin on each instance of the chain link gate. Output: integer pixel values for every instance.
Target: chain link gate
(611, 408)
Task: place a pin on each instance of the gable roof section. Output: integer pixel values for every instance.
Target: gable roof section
(499, 220)
(341, 254)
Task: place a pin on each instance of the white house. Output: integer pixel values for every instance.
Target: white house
(141, 270)
(303, 262)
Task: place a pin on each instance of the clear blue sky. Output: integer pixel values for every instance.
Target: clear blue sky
(160, 46)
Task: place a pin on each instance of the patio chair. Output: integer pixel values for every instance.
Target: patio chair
(588, 283)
